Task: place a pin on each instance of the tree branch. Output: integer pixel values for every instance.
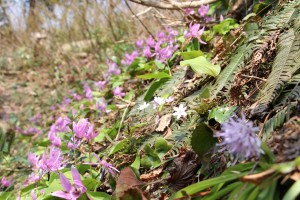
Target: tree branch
(172, 5)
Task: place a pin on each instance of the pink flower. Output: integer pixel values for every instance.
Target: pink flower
(74, 143)
(189, 11)
(109, 167)
(147, 52)
(129, 58)
(91, 133)
(72, 192)
(5, 182)
(101, 105)
(150, 42)
(52, 161)
(55, 140)
(139, 44)
(33, 159)
(203, 10)
(100, 84)
(81, 127)
(113, 68)
(118, 92)
(194, 32)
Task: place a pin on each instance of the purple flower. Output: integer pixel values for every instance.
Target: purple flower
(62, 124)
(81, 127)
(150, 42)
(189, 11)
(32, 178)
(203, 10)
(113, 68)
(129, 58)
(74, 143)
(55, 140)
(66, 101)
(194, 32)
(75, 95)
(88, 91)
(52, 161)
(91, 133)
(72, 192)
(147, 52)
(100, 84)
(33, 159)
(101, 105)
(32, 131)
(239, 138)
(109, 167)
(118, 92)
(139, 44)
(33, 195)
(5, 182)
(36, 118)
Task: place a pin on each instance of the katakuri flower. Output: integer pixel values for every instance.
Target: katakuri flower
(5, 182)
(81, 127)
(203, 10)
(195, 32)
(180, 111)
(52, 161)
(118, 92)
(239, 138)
(72, 192)
(109, 167)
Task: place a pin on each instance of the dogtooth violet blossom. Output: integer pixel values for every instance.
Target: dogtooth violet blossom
(203, 10)
(81, 127)
(180, 111)
(5, 182)
(239, 138)
(129, 58)
(109, 167)
(113, 68)
(52, 161)
(72, 192)
(118, 92)
(139, 44)
(189, 11)
(194, 32)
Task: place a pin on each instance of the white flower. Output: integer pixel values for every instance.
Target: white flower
(169, 99)
(143, 106)
(180, 111)
(158, 101)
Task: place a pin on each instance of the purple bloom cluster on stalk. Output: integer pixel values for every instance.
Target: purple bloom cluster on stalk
(239, 138)
(5, 182)
(36, 118)
(75, 96)
(113, 69)
(72, 192)
(32, 131)
(129, 58)
(61, 125)
(88, 91)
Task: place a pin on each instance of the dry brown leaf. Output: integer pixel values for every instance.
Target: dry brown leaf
(168, 133)
(257, 178)
(150, 176)
(127, 186)
(164, 122)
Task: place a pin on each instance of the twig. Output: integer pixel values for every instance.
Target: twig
(255, 77)
(142, 13)
(173, 5)
(122, 120)
(139, 19)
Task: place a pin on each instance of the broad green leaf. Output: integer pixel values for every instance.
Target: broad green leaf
(150, 158)
(225, 26)
(293, 192)
(202, 139)
(154, 86)
(120, 145)
(98, 195)
(197, 187)
(161, 146)
(201, 66)
(137, 162)
(156, 75)
(191, 54)
(90, 183)
(205, 93)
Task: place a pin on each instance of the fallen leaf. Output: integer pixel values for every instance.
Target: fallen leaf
(127, 186)
(164, 122)
(150, 176)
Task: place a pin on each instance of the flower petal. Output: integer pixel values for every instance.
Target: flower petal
(62, 194)
(77, 179)
(65, 182)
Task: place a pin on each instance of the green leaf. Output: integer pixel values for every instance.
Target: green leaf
(221, 114)
(154, 86)
(201, 66)
(156, 75)
(120, 145)
(191, 54)
(202, 139)
(150, 158)
(197, 187)
(224, 191)
(161, 146)
(293, 192)
(137, 162)
(98, 195)
(225, 26)
(90, 183)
